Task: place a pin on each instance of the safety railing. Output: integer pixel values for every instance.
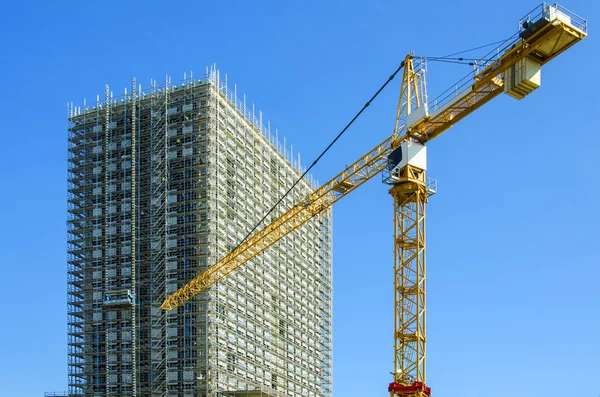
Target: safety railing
(551, 12)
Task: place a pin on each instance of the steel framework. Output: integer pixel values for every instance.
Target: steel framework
(409, 192)
(542, 38)
(410, 195)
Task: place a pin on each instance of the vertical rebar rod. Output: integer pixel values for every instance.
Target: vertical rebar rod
(134, 307)
(106, 217)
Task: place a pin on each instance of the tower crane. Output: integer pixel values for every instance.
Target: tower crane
(515, 69)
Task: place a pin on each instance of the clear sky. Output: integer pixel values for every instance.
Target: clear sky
(513, 260)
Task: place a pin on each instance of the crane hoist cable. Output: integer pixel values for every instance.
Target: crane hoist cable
(499, 46)
(339, 135)
(498, 43)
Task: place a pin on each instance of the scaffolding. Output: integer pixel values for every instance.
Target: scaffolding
(163, 183)
(246, 393)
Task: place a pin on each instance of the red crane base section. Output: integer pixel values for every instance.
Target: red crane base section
(417, 388)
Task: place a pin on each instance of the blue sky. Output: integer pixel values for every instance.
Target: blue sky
(513, 260)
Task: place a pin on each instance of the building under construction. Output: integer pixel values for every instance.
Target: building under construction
(163, 182)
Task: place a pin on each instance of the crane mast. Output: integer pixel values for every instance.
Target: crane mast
(544, 33)
(410, 190)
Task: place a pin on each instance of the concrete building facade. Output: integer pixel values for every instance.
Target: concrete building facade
(163, 182)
